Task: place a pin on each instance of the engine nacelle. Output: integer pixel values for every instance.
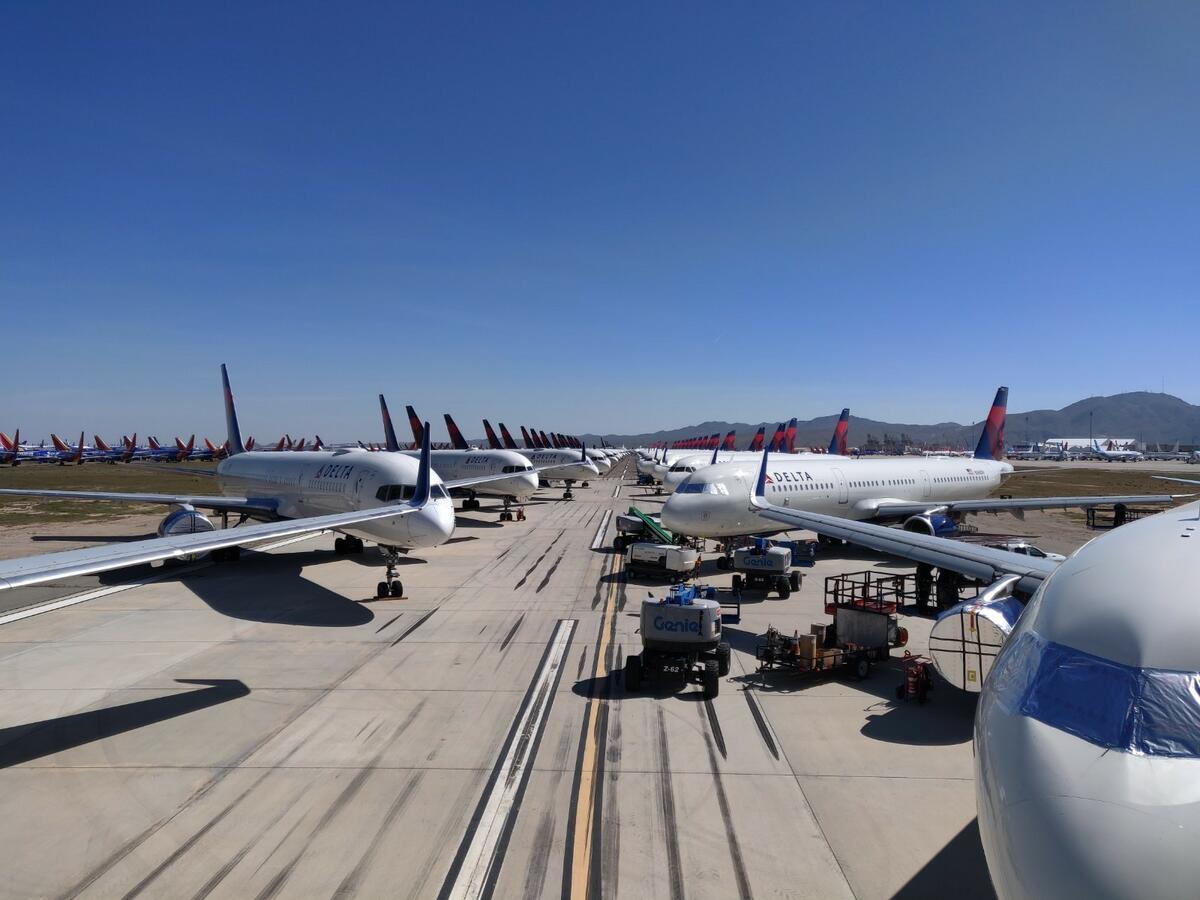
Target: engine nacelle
(184, 520)
(936, 526)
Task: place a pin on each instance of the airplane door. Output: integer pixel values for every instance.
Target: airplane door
(843, 494)
(925, 486)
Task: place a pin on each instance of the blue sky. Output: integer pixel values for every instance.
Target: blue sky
(605, 217)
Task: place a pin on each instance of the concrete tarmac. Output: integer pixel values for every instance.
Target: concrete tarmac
(265, 729)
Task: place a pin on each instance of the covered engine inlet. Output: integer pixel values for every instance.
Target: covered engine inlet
(184, 520)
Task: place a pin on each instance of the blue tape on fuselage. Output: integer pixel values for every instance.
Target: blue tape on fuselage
(1150, 712)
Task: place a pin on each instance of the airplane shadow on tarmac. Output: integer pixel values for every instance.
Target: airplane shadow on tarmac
(23, 743)
(957, 870)
(270, 588)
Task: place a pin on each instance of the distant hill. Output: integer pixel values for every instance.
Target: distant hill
(1153, 418)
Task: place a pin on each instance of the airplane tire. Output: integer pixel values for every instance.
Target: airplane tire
(396, 588)
(339, 546)
(381, 590)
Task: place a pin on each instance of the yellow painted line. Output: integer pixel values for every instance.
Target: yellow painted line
(581, 853)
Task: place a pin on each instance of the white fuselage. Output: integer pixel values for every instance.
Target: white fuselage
(565, 465)
(686, 465)
(715, 501)
(1087, 754)
(601, 459)
(326, 482)
(452, 465)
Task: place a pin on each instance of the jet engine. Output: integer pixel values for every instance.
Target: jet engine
(938, 526)
(184, 520)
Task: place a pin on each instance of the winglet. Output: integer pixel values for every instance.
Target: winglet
(759, 498)
(991, 440)
(422, 488)
(231, 423)
(716, 450)
(583, 457)
(389, 433)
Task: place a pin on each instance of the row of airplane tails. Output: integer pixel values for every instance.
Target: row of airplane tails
(14, 452)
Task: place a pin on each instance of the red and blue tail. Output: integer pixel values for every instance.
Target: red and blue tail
(839, 445)
(790, 437)
(991, 442)
(756, 444)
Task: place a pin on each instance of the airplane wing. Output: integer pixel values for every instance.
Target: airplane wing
(902, 508)
(218, 503)
(982, 563)
(16, 573)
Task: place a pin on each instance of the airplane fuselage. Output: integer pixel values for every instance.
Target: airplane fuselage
(452, 465)
(715, 501)
(325, 482)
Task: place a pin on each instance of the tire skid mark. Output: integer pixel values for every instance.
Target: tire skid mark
(731, 839)
(388, 622)
(715, 724)
(761, 722)
(610, 829)
(543, 840)
(511, 633)
(538, 562)
(545, 581)
(421, 621)
(349, 885)
(666, 800)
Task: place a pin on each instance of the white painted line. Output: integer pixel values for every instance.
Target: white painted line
(599, 538)
(477, 863)
(117, 588)
(616, 492)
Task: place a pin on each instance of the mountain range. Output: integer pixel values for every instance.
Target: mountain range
(1141, 415)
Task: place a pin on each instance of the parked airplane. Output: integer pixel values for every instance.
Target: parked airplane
(567, 466)
(685, 465)
(1087, 733)
(105, 453)
(392, 499)
(927, 495)
(1112, 453)
(63, 452)
(468, 463)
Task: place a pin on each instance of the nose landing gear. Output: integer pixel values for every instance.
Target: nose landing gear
(391, 586)
(506, 514)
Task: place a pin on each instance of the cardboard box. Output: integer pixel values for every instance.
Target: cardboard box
(819, 632)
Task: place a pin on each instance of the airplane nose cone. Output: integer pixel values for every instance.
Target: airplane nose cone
(1068, 847)
(675, 515)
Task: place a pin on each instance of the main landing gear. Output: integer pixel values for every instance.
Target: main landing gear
(349, 544)
(392, 586)
(472, 502)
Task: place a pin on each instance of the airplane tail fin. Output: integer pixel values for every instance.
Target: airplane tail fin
(509, 443)
(153, 442)
(318, 444)
(389, 432)
(839, 445)
(300, 444)
(991, 440)
(100, 445)
(130, 448)
(791, 436)
(529, 442)
(249, 444)
(457, 441)
(493, 441)
(423, 486)
(777, 439)
(179, 445)
(415, 424)
(730, 440)
(234, 433)
(5, 442)
(78, 457)
(58, 444)
(756, 444)
(545, 440)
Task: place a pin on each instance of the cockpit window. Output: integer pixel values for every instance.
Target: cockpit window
(438, 492)
(1149, 712)
(508, 470)
(390, 493)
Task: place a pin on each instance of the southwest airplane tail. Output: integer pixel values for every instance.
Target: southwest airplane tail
(100, 445)
(991, 440)
(839, 445)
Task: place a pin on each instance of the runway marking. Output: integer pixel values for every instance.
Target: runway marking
(617, 491)
(582, 834)
(149, 579)
(477, 865)
(599, 538)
